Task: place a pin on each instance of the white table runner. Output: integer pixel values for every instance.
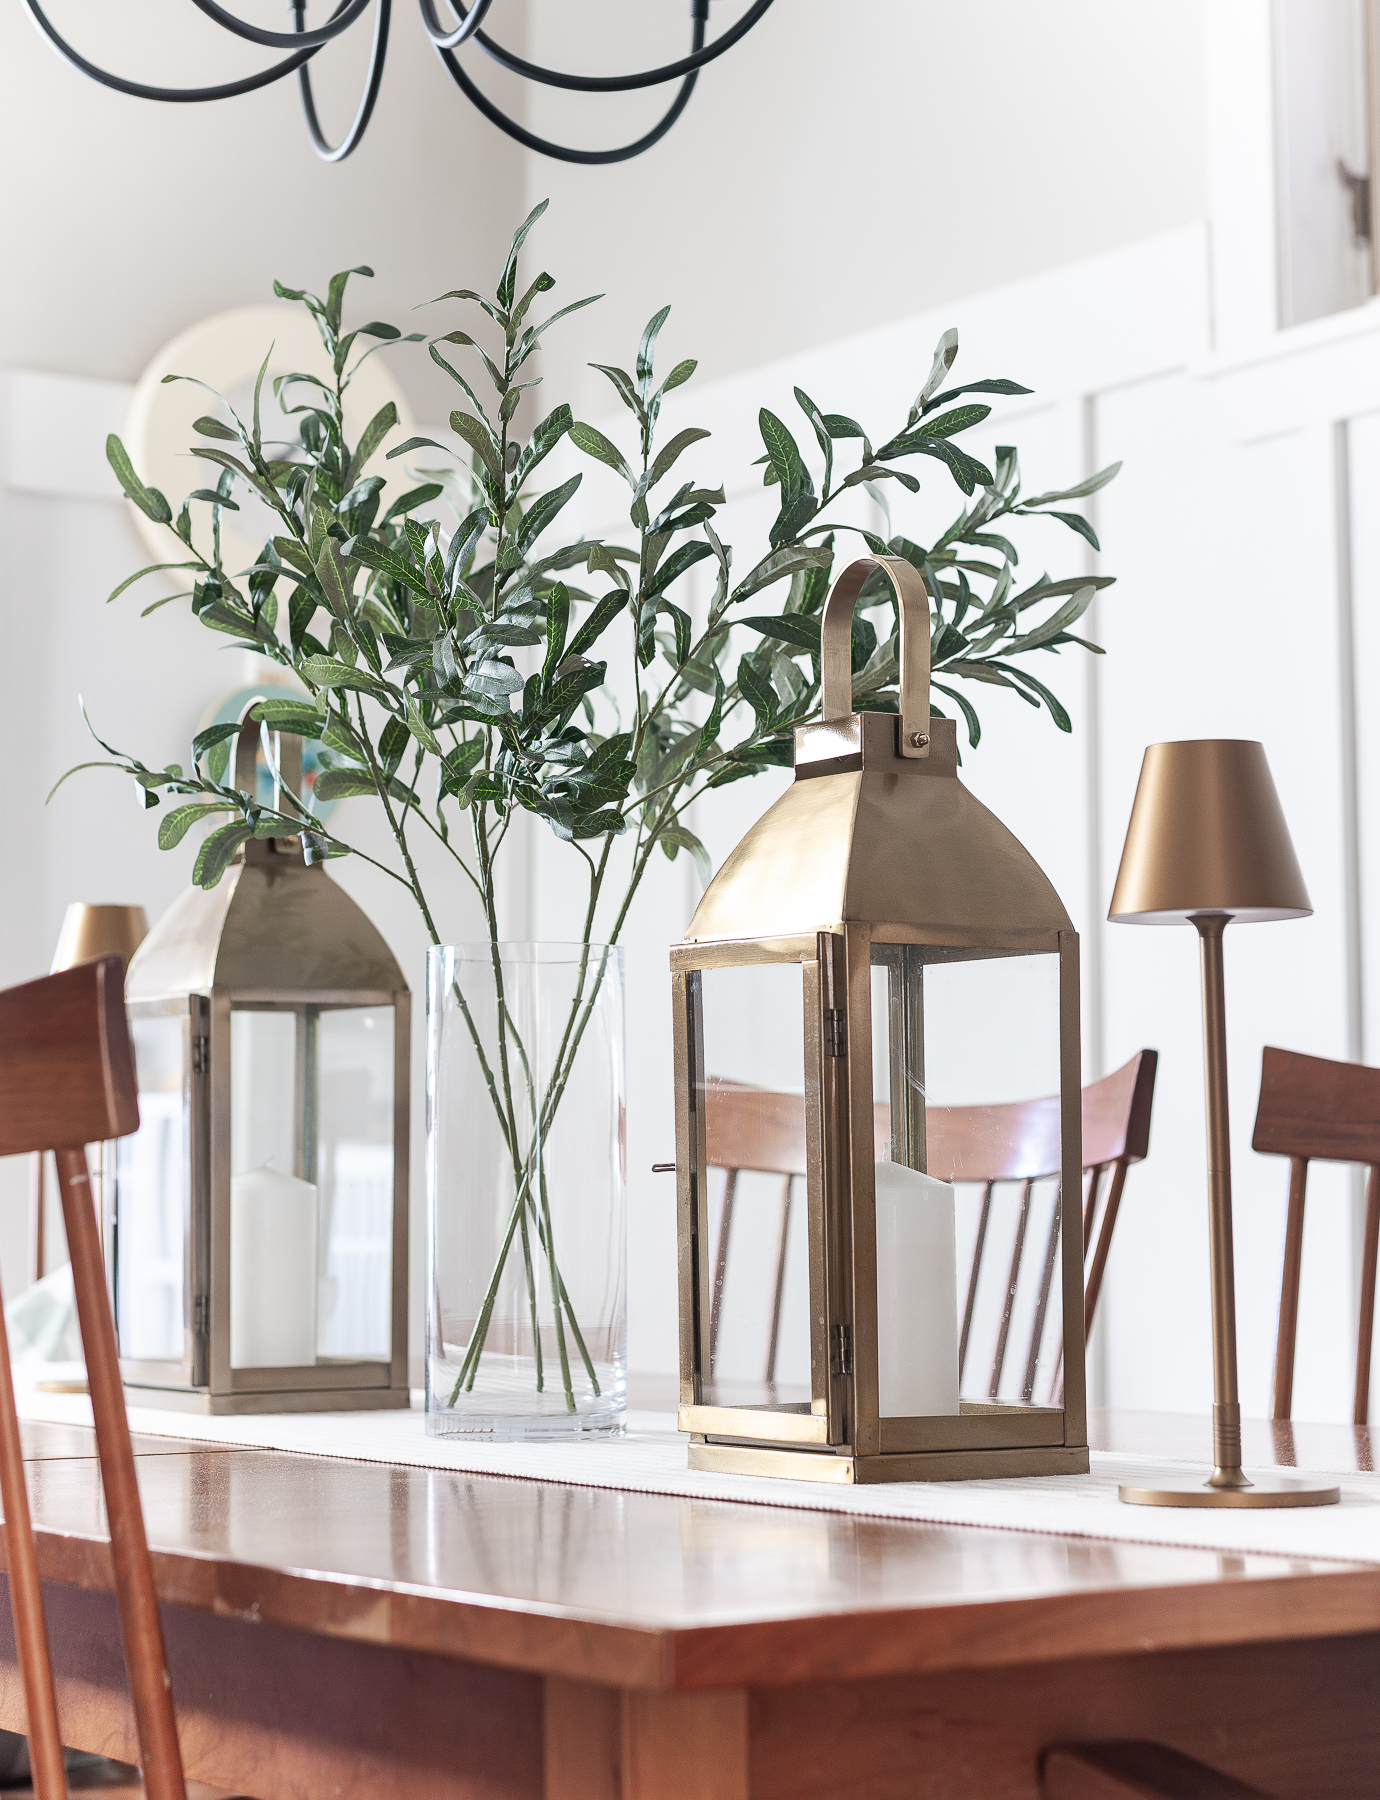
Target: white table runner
(651, 1459)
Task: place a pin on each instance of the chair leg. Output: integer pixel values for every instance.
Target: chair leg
(145, 1655)
(1361, 1411)
(26, 1599)
(1289, 1291)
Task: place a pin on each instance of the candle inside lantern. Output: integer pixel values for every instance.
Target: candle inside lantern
(917, 1295)
(273, 1276)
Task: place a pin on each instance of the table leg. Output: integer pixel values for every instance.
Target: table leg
(603, 1744)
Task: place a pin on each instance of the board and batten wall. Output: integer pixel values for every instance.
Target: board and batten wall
(1247, 555)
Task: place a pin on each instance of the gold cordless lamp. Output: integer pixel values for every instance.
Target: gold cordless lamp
(1207, 843)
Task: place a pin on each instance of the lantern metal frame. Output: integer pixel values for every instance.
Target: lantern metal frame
(876, 843)
(276, 935)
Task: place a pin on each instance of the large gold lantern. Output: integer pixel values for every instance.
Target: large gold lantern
(873, 978)
(256, 1226)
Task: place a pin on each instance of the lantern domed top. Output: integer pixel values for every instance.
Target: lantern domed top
(877, 828)
(272, 924)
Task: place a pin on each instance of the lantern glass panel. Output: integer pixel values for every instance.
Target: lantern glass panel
(311, 1184)
(153, 1172)
(968, 1276)
(752, 1080)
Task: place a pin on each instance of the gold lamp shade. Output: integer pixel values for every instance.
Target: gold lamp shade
(1207, 835)
(90, 931)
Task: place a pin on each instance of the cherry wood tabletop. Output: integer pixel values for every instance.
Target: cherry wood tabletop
(376, 1631)
(656, 1592)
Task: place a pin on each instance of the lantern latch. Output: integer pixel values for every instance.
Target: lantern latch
(841, 1350)
(201, 1055)
(836, 1031)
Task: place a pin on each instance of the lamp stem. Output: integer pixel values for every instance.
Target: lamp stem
(1226, 1405)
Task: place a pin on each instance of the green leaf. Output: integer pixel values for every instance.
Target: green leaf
(208, 739)
(958, 420)
(129, 580)
(543, 511)
(594, 443)
(1074, 521)
(327, 672)
(149, 501)
(790, 628)
(412, 499)
(419, 728)
(597, 623)
(335, 293)
(343, 784)
(785, 561)
(177, 824)
(678, 376)
(374, 555)
(1081, 492)
(336, 578)
(372, 436)
(784, 454)
(968, 710)
(666, 457)
(418, 443)
(647, 348)
(212, 428)
(297, 717)
(676, 838)
(465, 425)
(508, 280)
(557, 622)
(542, 442)
(213, 858)
(623, 386)
(755, 688)
(944, 353)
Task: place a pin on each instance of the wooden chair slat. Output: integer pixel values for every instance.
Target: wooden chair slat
(759, 1130)
(1312, 1109)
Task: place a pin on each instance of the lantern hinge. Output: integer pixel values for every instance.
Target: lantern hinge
(835, 1031)
(201, 1055)
(201, 1314)
(841, 1350)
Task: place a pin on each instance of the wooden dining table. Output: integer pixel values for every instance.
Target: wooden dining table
(361, 1629)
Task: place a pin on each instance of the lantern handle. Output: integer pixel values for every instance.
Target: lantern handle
(836, 647)
(289, 758)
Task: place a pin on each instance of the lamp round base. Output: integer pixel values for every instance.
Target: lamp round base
(1265, 1490)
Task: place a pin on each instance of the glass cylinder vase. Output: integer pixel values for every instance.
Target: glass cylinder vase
(526, 1191)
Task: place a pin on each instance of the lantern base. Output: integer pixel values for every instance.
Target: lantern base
(844, 1469)
(1264, 1490)
(203, 1403)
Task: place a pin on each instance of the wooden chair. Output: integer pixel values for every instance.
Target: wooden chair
(1132, 1769)
(67, 1079)
(1313, 1110)
(754, 1129)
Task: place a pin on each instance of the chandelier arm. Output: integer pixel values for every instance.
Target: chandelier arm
(249, 84)
(341, 20)
(338, 152)
(543, 146)
(617, 84)
(447, 40)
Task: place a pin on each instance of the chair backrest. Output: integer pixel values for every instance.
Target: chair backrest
(755, 1129)
(66, 1065)
(1315, 1110)
(67, 1079)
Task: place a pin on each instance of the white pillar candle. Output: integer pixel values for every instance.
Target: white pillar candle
(272, 1270)
(917, 1295)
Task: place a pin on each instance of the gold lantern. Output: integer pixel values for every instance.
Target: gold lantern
(256, 1226)
(872, 978)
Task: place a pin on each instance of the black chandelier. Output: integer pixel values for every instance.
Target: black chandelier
(446, 40)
